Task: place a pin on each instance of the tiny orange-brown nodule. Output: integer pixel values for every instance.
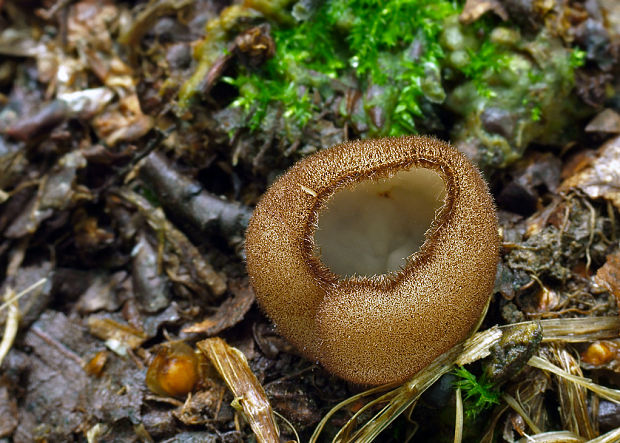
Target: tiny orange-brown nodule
(174, 370)
(375, 327)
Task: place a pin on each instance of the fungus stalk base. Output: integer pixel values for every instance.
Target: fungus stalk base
(372, 227)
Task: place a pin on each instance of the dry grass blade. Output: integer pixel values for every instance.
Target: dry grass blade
(478, 346)
(397, 402)
(11, 300)
(289, 424)
(572, 397)
(250, 397)
(609, 437)
(553, 437)
(568, 437)
(574, 330)
(458, 422)
(528, 396)
(11, 326)
(343, 404)
(514, 404)
(602, 391)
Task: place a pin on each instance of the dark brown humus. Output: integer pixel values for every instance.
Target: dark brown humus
(382, 328)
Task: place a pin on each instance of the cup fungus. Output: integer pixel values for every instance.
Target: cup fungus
(375, 257)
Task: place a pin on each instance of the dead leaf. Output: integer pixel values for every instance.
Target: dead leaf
(122, 121)
(608, 275)
(602, 178)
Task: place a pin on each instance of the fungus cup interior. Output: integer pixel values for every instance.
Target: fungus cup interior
(372, 227)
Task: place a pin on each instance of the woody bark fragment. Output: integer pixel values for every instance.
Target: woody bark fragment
(250, 398)
(186, 199)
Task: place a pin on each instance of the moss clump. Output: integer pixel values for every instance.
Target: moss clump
(286, 80)
(518, 90)
(388, 50)
(479, 393)
(402, 66)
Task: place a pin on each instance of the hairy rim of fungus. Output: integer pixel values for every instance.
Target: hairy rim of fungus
(375, 320)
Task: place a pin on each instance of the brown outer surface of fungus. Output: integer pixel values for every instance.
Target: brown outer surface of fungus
(383, 328)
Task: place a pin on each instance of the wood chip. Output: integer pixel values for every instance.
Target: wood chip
(250, 398)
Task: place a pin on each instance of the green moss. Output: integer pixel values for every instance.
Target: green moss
(410, 60)
(479, 393)
(285, 81)
(376, 41)
(382, 27)
(396, 43)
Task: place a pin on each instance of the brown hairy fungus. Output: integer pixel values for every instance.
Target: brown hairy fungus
(375, 257)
